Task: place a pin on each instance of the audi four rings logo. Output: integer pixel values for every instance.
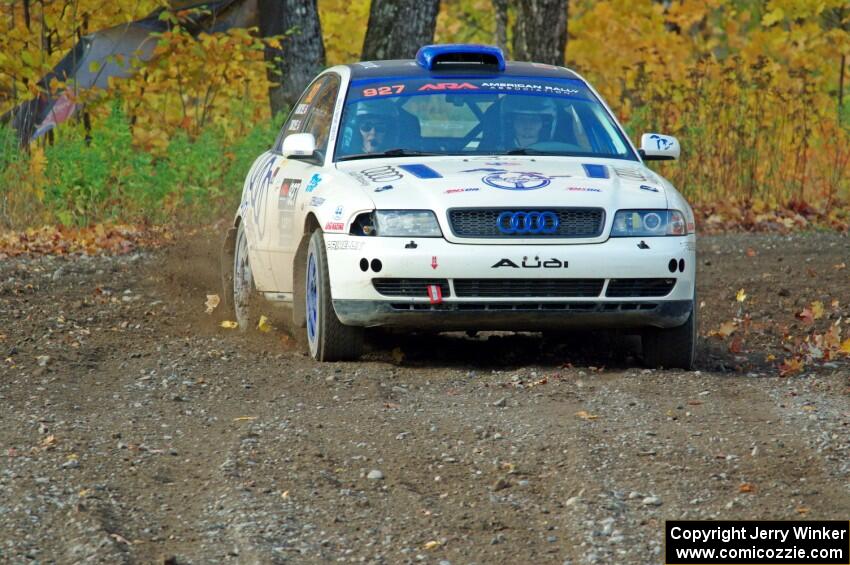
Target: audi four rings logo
(535, 223)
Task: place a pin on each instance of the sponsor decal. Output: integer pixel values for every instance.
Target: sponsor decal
(383, 188)
(345, 245)
(368, 65)
(316, 201)
(583, 189)
(334, 226)
(383, 90)
(551, 263)
(661, 143)
(596, 171)
(457, 190)
(448, 86)
(288, 191)
(338, 212)
(530, 87)
(386, 173)
(313, 90)
(435, 293)
(516, 180)
(649, 188)
(534, 223)
(294, 125)
(434, 263)
(258, 187)
(301, 109)
(359, 178)
(314, 182)
(421, 171)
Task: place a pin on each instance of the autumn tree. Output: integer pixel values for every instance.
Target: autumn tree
(398, 28)
(300, 56)
(540, 31)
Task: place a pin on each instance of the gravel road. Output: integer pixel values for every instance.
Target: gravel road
(134, 429)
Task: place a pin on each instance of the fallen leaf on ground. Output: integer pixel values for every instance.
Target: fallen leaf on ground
(817, 309)
(263, 325)
(790, 366)
(433, 544)
(398, 355)
(740, 296)
(227, 324)
(585, 415)
(840, 266)
(736, 345)
(213, 300)
(747, 487)
(845, 347)
(751, 252)
(802, 510)
(806, 316)
(244, 418)
(725, 330)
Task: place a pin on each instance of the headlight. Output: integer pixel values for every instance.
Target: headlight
(397, 223)
(648, 223)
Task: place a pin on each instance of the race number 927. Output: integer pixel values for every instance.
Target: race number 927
(383, 90)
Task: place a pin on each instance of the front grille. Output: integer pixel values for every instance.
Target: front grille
(482, 222)
(638, 288)
(409, 287)
(526, 307)
(522, 288)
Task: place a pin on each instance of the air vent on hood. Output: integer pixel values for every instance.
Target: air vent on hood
(630, 173)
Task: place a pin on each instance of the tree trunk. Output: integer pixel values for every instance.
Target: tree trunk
(302, 52)
(501, 8)
(540, 31)
(398, 28)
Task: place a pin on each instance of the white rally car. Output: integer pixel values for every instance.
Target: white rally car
(458, 191)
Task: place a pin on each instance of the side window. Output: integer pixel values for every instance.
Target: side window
(298, 115)
(320, 115)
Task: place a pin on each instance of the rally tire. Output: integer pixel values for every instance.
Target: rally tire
(328, 339)
(244, 292)
(672, 348)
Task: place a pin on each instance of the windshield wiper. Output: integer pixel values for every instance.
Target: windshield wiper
(388, 153)
(524, 151)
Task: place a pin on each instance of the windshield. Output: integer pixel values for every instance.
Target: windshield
(476, 116)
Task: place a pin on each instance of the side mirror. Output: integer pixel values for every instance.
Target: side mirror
(299, 146)
(657, 147)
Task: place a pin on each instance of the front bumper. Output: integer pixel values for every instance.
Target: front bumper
(357, 302)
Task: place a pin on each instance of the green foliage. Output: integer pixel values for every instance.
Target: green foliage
(77, 182)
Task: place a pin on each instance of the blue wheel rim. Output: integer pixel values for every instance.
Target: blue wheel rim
(312, 299)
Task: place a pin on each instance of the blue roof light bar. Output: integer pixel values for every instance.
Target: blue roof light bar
(452, 54)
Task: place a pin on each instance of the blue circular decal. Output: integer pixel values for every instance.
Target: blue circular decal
(510, 180)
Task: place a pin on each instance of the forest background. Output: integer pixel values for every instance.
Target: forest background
(755, 90)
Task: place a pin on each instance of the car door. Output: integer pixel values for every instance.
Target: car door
(293, 177)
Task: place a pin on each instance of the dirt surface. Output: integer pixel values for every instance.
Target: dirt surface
(134, 429)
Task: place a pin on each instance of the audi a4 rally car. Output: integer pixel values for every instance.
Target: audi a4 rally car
(458, 191)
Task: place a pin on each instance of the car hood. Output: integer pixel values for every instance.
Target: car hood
(521, 182)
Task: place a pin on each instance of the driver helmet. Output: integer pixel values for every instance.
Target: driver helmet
(514, 106)
(380, 114)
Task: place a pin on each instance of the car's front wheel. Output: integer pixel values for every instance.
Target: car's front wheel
(328, 338)
(672, 348)
(244, 291)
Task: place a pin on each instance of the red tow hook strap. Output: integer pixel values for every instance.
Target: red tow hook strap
(435, 293)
